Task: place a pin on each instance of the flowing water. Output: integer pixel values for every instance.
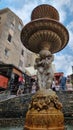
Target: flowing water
(21, 128)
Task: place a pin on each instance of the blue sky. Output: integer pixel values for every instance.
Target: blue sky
(64, 59)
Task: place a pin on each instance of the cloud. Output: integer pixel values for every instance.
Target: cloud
(70, 28)
(28, 6)
(23, 8)
(62, 6)
(63, 62)
(25, 12)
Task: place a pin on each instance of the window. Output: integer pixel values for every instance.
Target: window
(20, 27)
(6, 52)
(12, 25)
(22, 52)
(9, 38)
(20, 63)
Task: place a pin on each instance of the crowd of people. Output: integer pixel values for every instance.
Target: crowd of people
(64, 83)
(20, 87)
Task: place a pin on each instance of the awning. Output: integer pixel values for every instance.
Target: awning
(16, 72)
(30, 71)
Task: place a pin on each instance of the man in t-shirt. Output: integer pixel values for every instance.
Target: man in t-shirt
(63, 82)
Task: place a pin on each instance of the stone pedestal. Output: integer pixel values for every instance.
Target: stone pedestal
(44, 112)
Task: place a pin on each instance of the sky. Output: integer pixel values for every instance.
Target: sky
(63, 60)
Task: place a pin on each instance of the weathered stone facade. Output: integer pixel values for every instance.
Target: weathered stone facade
(12, 50)
(15, 109)
(10, 23)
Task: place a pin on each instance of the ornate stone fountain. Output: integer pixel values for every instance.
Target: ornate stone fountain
(44, 35)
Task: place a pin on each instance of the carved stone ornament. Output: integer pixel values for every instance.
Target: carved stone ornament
(44, 112)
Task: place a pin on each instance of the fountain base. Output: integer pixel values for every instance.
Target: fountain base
(44, 112)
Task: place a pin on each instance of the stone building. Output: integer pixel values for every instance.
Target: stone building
(11, 49)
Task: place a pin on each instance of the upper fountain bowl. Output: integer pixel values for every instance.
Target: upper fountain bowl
(44, 31)
(45, 11)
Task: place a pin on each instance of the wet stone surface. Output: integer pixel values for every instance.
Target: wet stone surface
(13, 110)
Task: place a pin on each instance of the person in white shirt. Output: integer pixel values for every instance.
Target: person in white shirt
(69, 86)
(57, 86)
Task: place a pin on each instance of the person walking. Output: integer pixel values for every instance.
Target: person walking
(33, 88)
(57, 86)
(11, 84)
(53, 84)
(21, 82)
(62, 82)
(69, 84)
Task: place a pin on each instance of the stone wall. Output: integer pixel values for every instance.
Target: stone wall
(15, 109)
(66, 98)
(7, 122)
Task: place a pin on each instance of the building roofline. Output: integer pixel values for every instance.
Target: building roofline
(6, 10)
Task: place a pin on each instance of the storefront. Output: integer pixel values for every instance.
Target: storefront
(7, 72)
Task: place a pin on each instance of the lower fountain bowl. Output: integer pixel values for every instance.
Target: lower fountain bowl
(51, 119)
